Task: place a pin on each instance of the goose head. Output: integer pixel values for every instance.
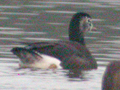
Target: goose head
(79, 24)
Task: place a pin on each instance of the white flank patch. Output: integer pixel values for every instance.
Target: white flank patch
(44, 63)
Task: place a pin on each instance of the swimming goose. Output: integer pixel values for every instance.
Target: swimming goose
(111, 78)
(72, 54)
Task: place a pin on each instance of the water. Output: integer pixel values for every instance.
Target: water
(44, 20)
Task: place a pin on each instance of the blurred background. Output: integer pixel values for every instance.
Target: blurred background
(48, 20)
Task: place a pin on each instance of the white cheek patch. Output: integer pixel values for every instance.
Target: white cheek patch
(82, 22)
(86, 24)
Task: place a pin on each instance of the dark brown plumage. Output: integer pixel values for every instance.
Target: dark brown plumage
(73, 53)
(111, 78)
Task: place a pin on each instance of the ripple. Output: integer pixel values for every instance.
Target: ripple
(55, 23)
(4, 18)
(10, 28)
(16, 13)
(98, 19)
(5, 46)
(91, 37)
(114, 55)
(115, 36)
(106, 59)
(23, 18)
(5, 52)
(13, 59)
(11, 32)
(24, 24)
(111, 49)
(108, 55)
(95, 32)
(75, 3)
(108, 1)
(8, 39)
(114, 27)
(4, 6)
(43, 39)
(20, 33)
(35, 32)
(112, 41)
(65, 3)
(39, 6)
(65, 12)
(116, 52)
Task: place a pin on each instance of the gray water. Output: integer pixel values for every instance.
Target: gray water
(45, 20)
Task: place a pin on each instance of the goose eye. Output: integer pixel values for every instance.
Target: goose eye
(90, 24)
(89, 21)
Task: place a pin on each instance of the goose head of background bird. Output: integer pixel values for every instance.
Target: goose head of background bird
(111, 77)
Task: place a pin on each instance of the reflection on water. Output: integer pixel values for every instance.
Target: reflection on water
(49, 80)
(45, 20)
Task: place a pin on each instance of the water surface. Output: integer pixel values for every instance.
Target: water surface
(45, 20)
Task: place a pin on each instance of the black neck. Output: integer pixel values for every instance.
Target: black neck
(75, 34)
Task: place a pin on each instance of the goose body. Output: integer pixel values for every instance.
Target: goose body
(111, 78)
(72, 54)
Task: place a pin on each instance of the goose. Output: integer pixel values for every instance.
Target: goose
(111, 77)
(69, 54)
